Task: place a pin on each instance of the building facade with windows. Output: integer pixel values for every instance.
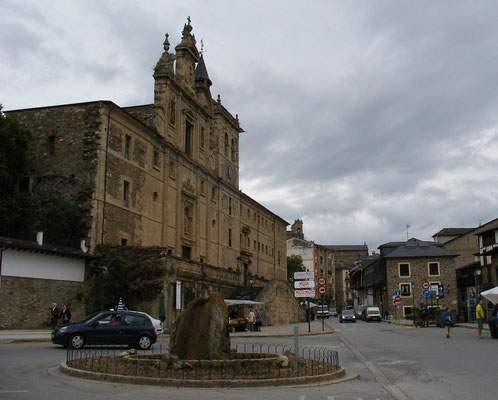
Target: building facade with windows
(409, 264)
(164, 174)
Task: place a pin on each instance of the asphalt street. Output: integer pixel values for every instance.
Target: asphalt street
(392, 362)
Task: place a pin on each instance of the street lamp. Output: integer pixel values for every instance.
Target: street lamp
(251, 282)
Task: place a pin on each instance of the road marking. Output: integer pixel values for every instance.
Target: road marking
(343, 397)
(13, 391)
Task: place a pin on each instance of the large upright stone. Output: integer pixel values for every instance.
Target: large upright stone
(200, 331)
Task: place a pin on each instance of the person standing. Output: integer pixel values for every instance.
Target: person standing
(251, 319)
(54, 315)
(480, 319)
(259, 320)
(65, 315)
(447, 321)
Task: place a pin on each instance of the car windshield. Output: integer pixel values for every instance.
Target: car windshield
(90, 317)
(333, 310)
(347, 312)
(322, 308)
(373, 310)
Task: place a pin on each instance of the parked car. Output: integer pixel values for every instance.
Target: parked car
(156, 322)
(108, 327)
(322, 312)
(347, 315)
(358, 311)
(371, 314)
(333, 312)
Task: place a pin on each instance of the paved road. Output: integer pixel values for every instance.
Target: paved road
(393, 362)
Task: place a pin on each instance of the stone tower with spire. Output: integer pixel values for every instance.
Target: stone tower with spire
(186, 115)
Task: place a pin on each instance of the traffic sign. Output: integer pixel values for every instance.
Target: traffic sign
(426, 293)
(425, 285)
(322, 289)
(322, 281)
(397, 299)
(440, 292)
(397, 292)
(304, 293)
(304, 284)
(304, 275)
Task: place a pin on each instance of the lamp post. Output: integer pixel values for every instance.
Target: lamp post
(251, 282)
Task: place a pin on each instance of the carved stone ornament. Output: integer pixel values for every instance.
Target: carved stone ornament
(246, 230)
(187, 186)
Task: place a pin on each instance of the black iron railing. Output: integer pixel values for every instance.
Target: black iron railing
(246, 361)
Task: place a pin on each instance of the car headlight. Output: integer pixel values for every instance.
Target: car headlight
(63, 329)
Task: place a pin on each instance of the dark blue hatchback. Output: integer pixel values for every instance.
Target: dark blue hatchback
(108, 327)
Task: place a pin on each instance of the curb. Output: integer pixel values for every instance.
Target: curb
(316, 380)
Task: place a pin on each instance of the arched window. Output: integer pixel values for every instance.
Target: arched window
(226, 144)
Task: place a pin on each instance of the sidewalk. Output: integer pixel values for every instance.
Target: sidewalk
(407, 322)
(26, 335)
(288, 330)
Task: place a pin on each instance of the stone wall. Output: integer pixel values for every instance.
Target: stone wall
(280, 305)
(26, 302)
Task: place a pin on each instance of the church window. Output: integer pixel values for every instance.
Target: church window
(248, 213)
(226, 144)
(202, 138)
(254, 245)
(127, 147)
(51, 144)
(213, 193)
(233, 149)
(124, 241)
(172, 112)
(186, 251)
(188, 138)
(156, 159)
(155, 196)
(172, 169)
(230, 206)
(229, 238)
(126, 193)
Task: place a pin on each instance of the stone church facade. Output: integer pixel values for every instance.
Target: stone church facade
(164, 174)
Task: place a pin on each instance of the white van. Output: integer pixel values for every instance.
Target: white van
(372, 314)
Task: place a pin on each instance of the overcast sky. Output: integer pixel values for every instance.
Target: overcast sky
(361, 117)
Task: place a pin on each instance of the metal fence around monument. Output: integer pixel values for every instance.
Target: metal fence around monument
(246, 361)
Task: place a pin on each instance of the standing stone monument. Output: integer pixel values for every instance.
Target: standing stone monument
(200, 332)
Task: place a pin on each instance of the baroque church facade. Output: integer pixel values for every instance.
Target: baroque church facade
(164, 174)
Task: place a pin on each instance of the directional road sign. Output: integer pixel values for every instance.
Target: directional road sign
(304, 284)
(304, 275)
(304, 293)
(426, 293)
(397, 292)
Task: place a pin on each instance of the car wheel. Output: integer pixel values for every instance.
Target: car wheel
(76, 341)
(340, 321)
(144, 342)
(354, 322)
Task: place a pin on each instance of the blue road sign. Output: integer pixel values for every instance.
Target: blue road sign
(440, 291)
(397, 292)
(426, 293)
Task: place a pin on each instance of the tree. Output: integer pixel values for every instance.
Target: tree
(294, 264)
(23, 212)
(14, 141)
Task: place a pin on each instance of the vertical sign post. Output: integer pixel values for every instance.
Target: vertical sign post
(178, 295)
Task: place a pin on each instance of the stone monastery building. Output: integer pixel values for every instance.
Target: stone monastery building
(164, 174)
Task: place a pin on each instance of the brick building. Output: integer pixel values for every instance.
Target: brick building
(164, 174)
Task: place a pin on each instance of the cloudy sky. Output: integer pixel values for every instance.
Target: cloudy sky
(361, 117)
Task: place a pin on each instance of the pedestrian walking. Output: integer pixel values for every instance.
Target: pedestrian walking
(251, 319)
(65, 315)
(480, 319)
(447, 321)
(54, 315)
